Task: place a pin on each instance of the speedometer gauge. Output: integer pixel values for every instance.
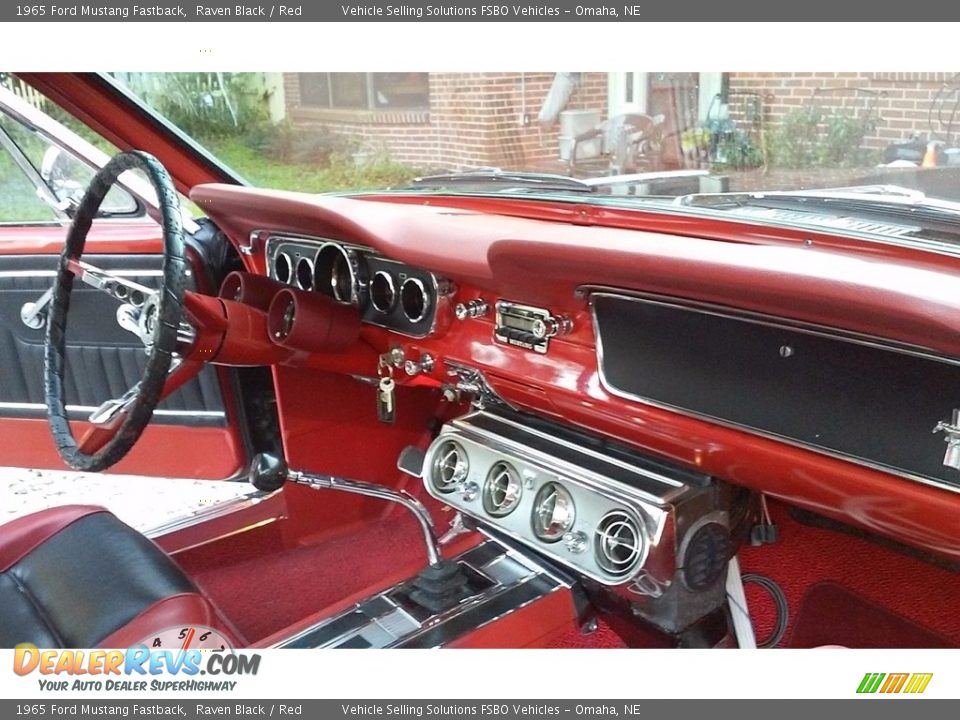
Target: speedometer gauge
(553, 512)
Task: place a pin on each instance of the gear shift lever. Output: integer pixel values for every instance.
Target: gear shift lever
(268, 473)
(439, 587)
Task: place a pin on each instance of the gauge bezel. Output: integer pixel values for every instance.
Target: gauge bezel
(308, 263)
(460, 472)
(547, 534)
(424, 299)
(391, 288)
(513, 492)
(327, 273)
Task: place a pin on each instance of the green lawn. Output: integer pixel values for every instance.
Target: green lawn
(341, 174)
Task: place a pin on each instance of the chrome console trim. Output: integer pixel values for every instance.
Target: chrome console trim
(502, 582)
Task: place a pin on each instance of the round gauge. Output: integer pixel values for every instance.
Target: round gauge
(414, 299)
(502, 490)
(282, 268)
(340, 273)
(383, 294)
(188, 637)
(450, 466)
(553, 512)
(305, 273)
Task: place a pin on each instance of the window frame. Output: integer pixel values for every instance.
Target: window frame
(371, 105)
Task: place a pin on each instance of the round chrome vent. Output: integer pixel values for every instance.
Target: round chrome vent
(553, 512)
(450, 466)
(619, 543)
(502, 489)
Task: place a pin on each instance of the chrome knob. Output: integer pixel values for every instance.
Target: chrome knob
(472, 309)
(418, 367)
(575, 542)
(548, 327)
(469, 491)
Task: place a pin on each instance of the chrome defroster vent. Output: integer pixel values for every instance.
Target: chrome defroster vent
(450, 466)
(619, 543)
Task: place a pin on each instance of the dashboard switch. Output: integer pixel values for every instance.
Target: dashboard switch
(418, 367)
(472, 309)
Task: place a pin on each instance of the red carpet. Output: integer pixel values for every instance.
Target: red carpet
(271, 591)
(830, 614)
(918, 592)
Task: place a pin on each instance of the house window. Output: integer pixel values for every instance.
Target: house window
(364, 91)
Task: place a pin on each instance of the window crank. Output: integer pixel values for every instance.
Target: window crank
(34, 314)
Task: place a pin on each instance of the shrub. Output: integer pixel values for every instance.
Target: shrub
(809, 136)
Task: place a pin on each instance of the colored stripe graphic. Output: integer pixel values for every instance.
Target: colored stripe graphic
(918, 682)
(870, 682)
(892, 683)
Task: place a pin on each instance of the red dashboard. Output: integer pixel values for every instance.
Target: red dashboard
(910, 299)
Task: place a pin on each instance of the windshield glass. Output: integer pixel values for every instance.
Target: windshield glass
(640, 135)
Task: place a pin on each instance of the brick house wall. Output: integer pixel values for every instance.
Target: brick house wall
(473, 120)
(903, 104)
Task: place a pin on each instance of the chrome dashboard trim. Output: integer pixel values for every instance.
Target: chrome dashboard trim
(432, 293)
(767, 321)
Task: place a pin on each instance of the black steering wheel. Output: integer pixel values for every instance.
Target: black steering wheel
(157, 321)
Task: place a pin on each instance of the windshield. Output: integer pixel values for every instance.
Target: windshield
(640, 136)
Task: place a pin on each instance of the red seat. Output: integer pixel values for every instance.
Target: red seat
(77, 577)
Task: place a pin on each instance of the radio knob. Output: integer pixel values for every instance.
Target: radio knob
(548, 327)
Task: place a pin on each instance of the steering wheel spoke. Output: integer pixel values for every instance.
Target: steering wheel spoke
(110, 415)
(115, 286)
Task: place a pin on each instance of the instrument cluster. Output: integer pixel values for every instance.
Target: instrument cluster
(389, 294)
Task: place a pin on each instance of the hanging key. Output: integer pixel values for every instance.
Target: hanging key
(386, 396)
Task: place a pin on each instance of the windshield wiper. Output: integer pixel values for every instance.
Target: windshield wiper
(485, 180)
